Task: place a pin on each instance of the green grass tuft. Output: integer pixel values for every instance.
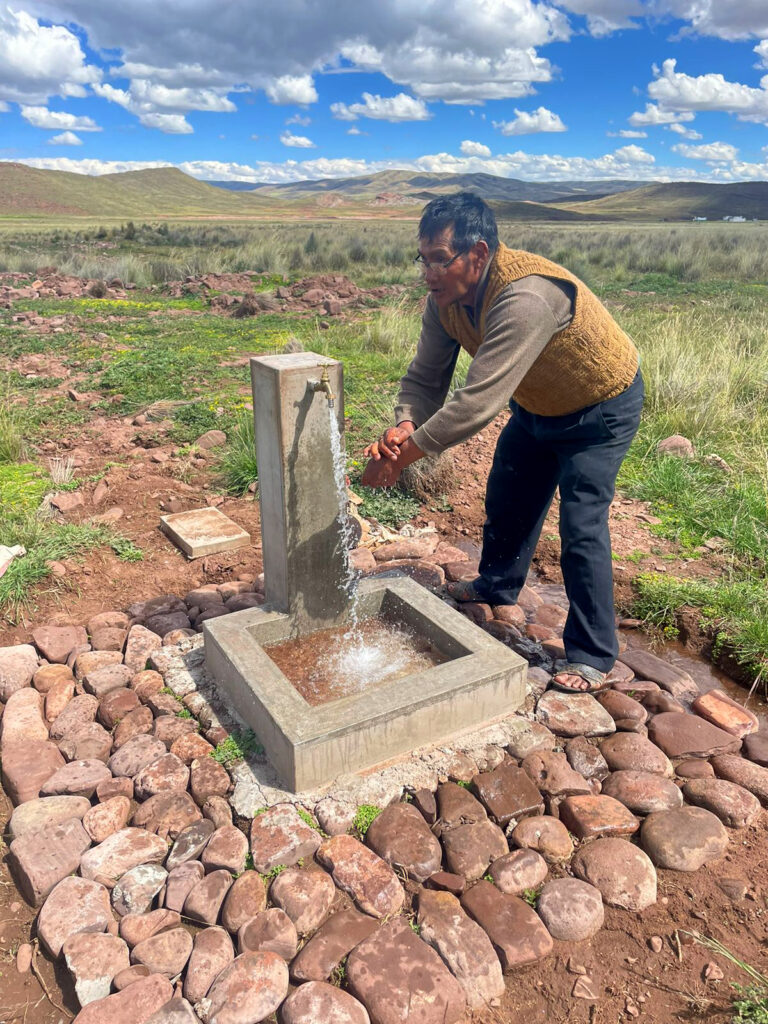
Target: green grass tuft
(364, 818)
(238, 746)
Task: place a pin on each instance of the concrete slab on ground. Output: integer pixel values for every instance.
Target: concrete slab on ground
(204, 531)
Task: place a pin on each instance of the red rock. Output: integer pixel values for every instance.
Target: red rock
(79, 711)
(546, 836)
(164, 953)
(134, 1005)
(683, 735)
(551, 774)
(721, 710)
(319, 957)
(246, 899)
(108, 620)
(129, 976)
(519, 870)
(694, 769)
(620, 870)
(106, 818)
(169, 728)
(56, 642)
(227, 848)
(103, 680)
(27, 767)
(359, 872)
(39, 860)
(280, 836)
(48, 676)
(270, 931)
(50, 810)
(469, 849)
(318, 1001)
(573, 714)
(94, 959)
(517, 934)
(211, 954)
(642, 792)
(135, 754)
(115, 706)
(73, 906)
(167, 814)
(525, 737)
(585, 758)
(22, 719)
(755, 747)
(139, 646)
(78, 778)
(743, 773)
(571, 909)
(122, 851)
(627, 713)
(648, 666)
(180, 882)
(190, 843)
(457, 806)
(58, 696)
(412, 547)
(305, 895)
(17, 667)
(92, 661)
(165, 774)
(135, 928)
(205, 898)
(136, 890)
(508, 792)
(733, 805)
(684, 839)
(191, 746)
(146, 684)
(630, 752)
(208, 778)
(88, 742)
(401, 837)
(135, 723)
(114, 787)
(109, 639)
(250, 989)
(426, 573)
(590, 816)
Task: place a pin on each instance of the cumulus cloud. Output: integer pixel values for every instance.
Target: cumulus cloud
(145, 108)
(65, 139)
(292, 89)
(469, 148)
(606, 16)
(634, 155)
(383, 108)
(712, 152)
(297, 141)
(762, 52)
(725, 19)
(674, 90)
(627, 133)
(41, 117)
(354, 130)
(299, 119)
(684, 133)
(653, 115)
(530, 122)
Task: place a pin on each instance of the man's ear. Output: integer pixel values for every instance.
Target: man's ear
(480, 253)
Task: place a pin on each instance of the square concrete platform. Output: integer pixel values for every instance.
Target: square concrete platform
(311, 746)
(203, 531)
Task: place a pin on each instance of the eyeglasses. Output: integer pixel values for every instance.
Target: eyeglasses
(436, 266)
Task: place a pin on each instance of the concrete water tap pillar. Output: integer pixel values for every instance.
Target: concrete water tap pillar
(301, 529)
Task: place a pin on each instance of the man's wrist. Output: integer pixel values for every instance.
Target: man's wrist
(409, 452)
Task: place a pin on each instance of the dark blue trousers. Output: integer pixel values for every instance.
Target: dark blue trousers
(580, 454)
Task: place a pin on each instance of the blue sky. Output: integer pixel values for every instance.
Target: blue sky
(269, 91)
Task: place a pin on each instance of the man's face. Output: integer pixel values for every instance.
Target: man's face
(458, 282)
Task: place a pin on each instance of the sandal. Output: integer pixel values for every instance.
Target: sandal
(595, 679)
(464, 590)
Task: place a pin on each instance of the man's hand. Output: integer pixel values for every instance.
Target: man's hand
(381, 473)
(389, 443)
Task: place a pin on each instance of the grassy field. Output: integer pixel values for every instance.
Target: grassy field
(693, 297)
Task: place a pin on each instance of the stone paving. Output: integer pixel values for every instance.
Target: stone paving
(175, 888)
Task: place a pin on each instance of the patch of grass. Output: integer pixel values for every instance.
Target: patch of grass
(272, 874)
(184, 713)
(126, 550)
(339, 973)
(751, 1002)
(464, 784)
(237, 462)
(193, 420)
(390, 506)
(12, 443)
(531, 897)
(307, 818)
(364, 818)
(238, 746)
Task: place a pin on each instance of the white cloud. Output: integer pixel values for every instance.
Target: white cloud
(354, 130)
(65, 139)
(527, 123)
(37, 62)
(299, 119)
(712, 152)
(469, 148)
(652, 115)
(606, 16)
(762, 51)
(685, 133)
(634, 155)
(383, 108)
(627, 133)
(674, 90)
(726, 19)
(169, 124)
(4, 108)
(41, 117)
(298, 141)
(292, 89)
(90, 166)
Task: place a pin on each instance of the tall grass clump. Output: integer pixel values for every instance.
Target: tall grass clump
(237, 463)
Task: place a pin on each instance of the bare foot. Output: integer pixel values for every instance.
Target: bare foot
(572, 682)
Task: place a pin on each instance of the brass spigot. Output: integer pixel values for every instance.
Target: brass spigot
(324, 385)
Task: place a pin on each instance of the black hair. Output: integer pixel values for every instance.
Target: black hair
(472, 220)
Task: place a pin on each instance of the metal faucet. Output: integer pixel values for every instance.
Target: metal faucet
(324, 384)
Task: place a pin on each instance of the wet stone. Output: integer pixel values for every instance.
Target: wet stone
(78, 778)
(121, 852)
(401, 837)
(73, 906)
(26, 767)
(249, 989)
(165, 774)
(642, 792)
(190, 843)
(469, 849)
(456, 806)
(684, 839)
(205, 899)
(135, 754)
(136, 890)
(39, 860)
(590, 816)
(508, 793)
(721, 710)
(306, 896)
(167, 814)
(621, 871)
(627, 713)
(462, 945)
(318, 1001)
(743, 773)
(674, 680)
(546, 836)
(135, 928)
(135, 723)
(733, 805)
(368, 879)
(246, 899)
(636, 688)
(180, 883)
(398, 977)
(755, 747)
(694, 769)
(211, 953)
(93, 960)
(525, 737)
(571, 909)
(660, 702)
(684, 735)
(106, 818)
(585, 758)
(320, 956)
(207, 778)
(519, 870)
(517, 933)
(89, 742)
(165, 953)
(629, 752)
(573, 714)
(134, 1005)
(270, 931)
(44, 811)
(227, 848)
(552, 774)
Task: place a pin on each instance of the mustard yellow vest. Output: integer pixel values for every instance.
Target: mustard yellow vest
(589, 361)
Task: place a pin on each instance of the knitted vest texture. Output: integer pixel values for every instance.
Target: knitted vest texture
(589, 361)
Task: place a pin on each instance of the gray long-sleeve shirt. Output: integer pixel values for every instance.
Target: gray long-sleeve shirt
(522, 320)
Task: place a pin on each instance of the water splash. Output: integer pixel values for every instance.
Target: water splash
(346, 530)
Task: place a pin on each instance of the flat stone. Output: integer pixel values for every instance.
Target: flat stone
(270, 931)
(246, 899)
(635, 688)
(58, 696)
(642, 792)
(134, 1005)
(318, 1001)
(109, 638)
(79, 711)
(462, 945)
(306, 896)
(573, 714)
(627, 713)
(135, 928)
(227, 848)
(91, 661)
(139, 646)
(135, 723)
(45, 811)
(208, 778)
(368, 879)
(546, 836)
(175, 1011)
(114, 787)
(56, 642)
(248, 990)
(78, 778)
(27, 767)
(591, 816)
(723, 711)
(733, 805)
(135, 754)
(411, 547)
(164, 774)
(165, 953)
(552, 774)
(48, 676)
(212, 952)
(180, 882)
(683, 735)
(397, 977)
(104, 680)
(660, 702)
(325, 950)
(121, 852)
(446, 881)
(684, 839)
(106, 818)
(136, 890)
(571, 909)
(204, 531)
(516, 931)
(205, 899)
(167, 814)
(469, 849)
(93, 959)
(23, 718)
(281, 836)
(457, 806)
(585, 758)
(743, 773)
(649, 666)
(401, 837)
(525, 737)
(190, 843)
(630, 752)
(425, 573)
(621, 871)
(755, 747)
(116, 705)
(89, 742)
(73, 906)
(335, 817)
(519, 870)
(169, 729)
(190, 746)
(508, 792)
(39, 860)
(17, 666)
(694, 769)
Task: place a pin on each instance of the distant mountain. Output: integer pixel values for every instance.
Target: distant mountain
(680, 200)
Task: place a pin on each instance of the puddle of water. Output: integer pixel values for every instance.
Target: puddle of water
(335, 663)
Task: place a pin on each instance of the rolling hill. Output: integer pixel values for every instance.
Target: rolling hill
(679, 200)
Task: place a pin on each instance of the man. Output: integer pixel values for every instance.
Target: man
(538, 334)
